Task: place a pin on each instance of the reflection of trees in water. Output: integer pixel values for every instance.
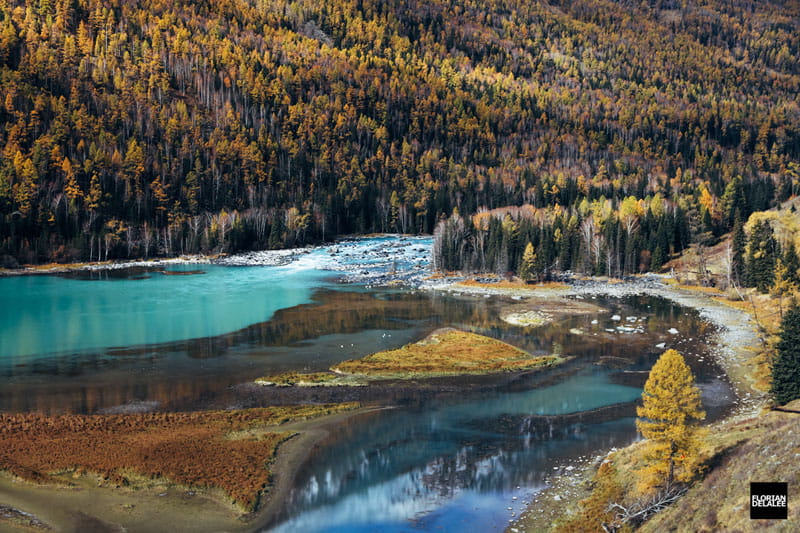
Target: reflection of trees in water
(595, 344)
(338, 312)
(486, 454)
(503, 463)
(112, 390)
(172, 375)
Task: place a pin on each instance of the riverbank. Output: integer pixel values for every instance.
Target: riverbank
(261, 258)
(514, 306)
(736, 338)
(373, 260)
(90, 491)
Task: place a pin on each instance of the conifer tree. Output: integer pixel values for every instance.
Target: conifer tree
(733, 200)
(786, 369)
(669, 420)
(783, 285)
(761, 256)
(792, 264)
(527, 268)
(739, 246)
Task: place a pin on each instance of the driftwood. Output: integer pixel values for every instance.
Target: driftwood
(643, 508)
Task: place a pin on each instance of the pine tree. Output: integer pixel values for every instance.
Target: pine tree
(733, 200)
(761, 256)
(792, 264)
(739, 246)
(657, 258)
(276, 235)
(783, 285)
(786, 369)
(527, 268)
(669, 420)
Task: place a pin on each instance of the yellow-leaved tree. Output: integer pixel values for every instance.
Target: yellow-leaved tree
(669, 420)
(527, 268)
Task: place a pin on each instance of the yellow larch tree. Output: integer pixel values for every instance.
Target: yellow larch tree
(669, 420)
(527, 269)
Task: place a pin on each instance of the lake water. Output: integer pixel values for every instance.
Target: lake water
(141, 339)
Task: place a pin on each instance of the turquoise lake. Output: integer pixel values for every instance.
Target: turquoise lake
(437, 460)
(59, 314)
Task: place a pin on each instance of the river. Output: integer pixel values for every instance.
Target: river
(195, 336)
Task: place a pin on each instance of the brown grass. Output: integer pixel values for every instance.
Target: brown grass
(228, 450)
(756, 449)
(51, 266)
(766, 312)
(446, 353)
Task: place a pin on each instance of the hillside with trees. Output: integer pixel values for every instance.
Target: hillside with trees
(618, 131)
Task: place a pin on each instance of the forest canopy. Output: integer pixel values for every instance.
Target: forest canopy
(136, 128)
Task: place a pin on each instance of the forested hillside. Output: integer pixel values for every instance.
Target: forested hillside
(135, 128)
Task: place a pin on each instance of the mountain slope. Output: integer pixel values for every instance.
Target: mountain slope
(151, 127)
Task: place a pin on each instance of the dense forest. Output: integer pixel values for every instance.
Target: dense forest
(618, 131)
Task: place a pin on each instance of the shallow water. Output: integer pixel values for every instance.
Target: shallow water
(446, 464)
(137, 340)
(42, 315)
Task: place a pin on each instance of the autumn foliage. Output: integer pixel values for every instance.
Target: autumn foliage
(669, 419)
(595, 510)
(446, 352)
(153, 127)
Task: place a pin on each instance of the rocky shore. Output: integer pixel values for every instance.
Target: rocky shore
(735, 339)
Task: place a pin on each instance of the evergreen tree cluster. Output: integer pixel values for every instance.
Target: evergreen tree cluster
(600, 237)
(765, 265)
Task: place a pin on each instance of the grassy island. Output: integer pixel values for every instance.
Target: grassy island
(445, 352)
(312, 379)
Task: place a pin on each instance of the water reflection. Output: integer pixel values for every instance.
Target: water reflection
(442, 461)
(336, 325)
(446, 456)
(392, 466)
